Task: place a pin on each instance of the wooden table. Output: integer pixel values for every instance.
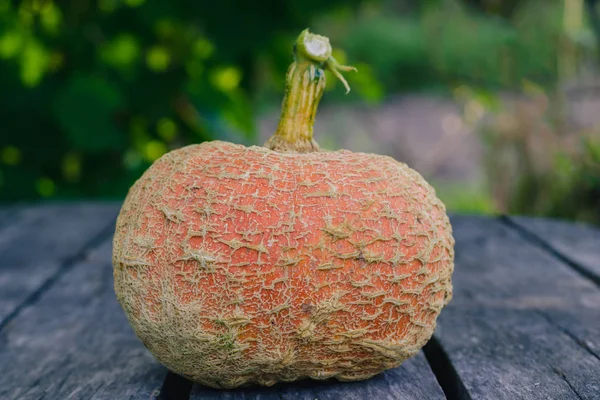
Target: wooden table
(524, 322)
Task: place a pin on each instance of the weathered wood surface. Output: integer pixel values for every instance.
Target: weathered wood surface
(578, 244)
(412, 380)
(39, 242)
(7, 213)
(75, 342)
(522, 323)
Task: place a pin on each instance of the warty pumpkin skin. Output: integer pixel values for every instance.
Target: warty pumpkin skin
(239, 265)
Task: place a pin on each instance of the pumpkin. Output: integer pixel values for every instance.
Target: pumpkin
(252, 265)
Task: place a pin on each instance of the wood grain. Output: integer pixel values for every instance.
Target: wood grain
(523, 324)
(40, 241)
(74, 342)
(579, 244)
(519, 319)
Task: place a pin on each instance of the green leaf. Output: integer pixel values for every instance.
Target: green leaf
(85, 110)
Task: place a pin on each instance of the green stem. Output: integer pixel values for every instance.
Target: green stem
(304, 86)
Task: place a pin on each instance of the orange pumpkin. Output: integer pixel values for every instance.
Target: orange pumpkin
(240, 265)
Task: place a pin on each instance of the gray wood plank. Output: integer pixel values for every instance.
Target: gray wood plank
(7, 211)
(75, 342)
(52, 231)
(522, 324)
(412, 380)
(41, 240)
(578, 243)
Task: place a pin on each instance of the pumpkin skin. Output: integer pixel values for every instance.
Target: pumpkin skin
(238, 265)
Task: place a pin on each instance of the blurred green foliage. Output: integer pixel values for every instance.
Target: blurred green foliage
(533, 164)
(440, 44)
(94, 91)
(570, 191)
(528, 48)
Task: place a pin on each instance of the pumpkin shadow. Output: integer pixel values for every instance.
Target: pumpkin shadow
(301, 389)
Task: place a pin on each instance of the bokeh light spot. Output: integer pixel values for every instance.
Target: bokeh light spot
(10, 44)
(71, 167)
(45, 187)
(158, 58)
(167, 129)
(203, 48)
(226, 79)
(51, 18)
(121, 52)
(154, 149)
(34, 60)
(11, 155)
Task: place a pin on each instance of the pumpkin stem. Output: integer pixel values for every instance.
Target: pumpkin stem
(304, 85)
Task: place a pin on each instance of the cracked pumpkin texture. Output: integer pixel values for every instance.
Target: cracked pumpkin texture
(238, 265)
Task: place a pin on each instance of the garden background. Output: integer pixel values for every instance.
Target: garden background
(497, 103)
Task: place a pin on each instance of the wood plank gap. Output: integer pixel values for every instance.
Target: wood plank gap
(577, 340)
(563, 376)
(65, 266)
(547, 247)
(175, 387)
(444, 371)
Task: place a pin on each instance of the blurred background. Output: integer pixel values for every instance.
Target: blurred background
(495, 102)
